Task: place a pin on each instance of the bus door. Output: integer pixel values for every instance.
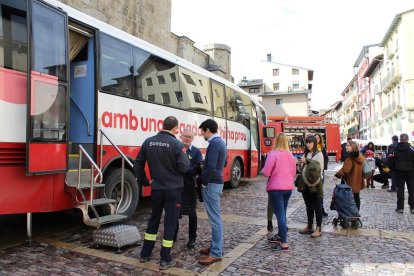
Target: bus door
(254, 143)
(47, 89)
(82, 87)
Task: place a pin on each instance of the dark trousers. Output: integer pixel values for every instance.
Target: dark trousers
(313, 207)
(381, 178)
(393, 182)
(169, 201)
(401, 179)
(192, 227)
(357, 200)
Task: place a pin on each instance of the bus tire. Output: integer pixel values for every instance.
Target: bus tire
(236, 172)
(131, 192)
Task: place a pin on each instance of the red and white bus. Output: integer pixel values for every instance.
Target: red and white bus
(68, 80)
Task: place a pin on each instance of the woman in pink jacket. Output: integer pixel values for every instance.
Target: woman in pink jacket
(280, 167)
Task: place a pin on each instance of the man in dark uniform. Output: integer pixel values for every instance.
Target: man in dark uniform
(402, 163)
(167, 163)
(188, 195)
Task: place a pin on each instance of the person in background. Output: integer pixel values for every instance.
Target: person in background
(280, 167)
(312, 200)
(384, 171)
(188, 195)
(167, 164)
(322, 148)
(343, 149)
(369, 156)
(351, 170)
(390, 151)
(402, 163)
(212, 188)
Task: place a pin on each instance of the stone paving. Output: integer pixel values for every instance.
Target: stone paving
(384, 246)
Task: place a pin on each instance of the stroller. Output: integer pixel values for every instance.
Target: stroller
(343, 202)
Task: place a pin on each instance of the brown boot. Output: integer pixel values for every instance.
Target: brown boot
(307, 230)
(317, 233)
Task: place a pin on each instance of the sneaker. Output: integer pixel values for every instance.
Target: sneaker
(385, 186)
(399, 210)
(392, 190)
(165, 264)
(145, 259)
(274, 239)
(278, 247)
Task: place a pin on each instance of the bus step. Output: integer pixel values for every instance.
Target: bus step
(85, 186)
(100, 201)
(98, 222)
(116, 235)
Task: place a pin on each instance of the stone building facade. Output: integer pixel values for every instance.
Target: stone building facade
(151, 21)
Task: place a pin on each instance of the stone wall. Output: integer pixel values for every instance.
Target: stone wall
(151, 21)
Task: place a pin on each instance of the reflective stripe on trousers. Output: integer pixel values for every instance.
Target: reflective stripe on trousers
(150, 237)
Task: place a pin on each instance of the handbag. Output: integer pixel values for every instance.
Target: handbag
(366, 170)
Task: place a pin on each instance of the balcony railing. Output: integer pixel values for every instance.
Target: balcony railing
(390, 109)
(393, 75)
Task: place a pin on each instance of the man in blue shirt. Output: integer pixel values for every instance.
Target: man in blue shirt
(212, 188)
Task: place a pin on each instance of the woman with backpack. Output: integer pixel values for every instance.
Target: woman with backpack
(280, 167)
(313, 196)
(351, 170)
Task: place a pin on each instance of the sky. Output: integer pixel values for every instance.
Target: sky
(322, 35)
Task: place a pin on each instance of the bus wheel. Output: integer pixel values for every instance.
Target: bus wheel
(131, 192)
(236, 172)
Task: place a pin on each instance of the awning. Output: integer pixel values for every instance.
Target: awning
(373, 65)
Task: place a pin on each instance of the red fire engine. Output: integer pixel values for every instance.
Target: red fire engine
(297, 128)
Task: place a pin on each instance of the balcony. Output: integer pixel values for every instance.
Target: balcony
(391, 109)
(393, 75)
(353, 129)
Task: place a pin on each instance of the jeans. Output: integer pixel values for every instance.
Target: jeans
(393, 182)
(279, 200)
(212, 195)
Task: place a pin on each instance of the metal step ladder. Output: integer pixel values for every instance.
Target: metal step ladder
(88, 192)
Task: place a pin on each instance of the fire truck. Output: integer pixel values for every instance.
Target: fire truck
(296, 129)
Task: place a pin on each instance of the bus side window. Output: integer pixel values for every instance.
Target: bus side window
(269, 132)
(116, 66)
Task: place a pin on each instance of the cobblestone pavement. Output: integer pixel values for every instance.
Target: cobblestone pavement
(385, 244)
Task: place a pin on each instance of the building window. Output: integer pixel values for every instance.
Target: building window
(254, 90)
(161, 79)
(295, 85)
(295, 71)
(166, 98)
(188, 79)
(151, 97)
(201, 82)
(276, 72)
(197, 97)
(279, 101)
(149, 81)
(276, 87)
(179, 96)
(173, 78)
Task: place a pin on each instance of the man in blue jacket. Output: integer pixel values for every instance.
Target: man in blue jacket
(212, 188)
(167, 163)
